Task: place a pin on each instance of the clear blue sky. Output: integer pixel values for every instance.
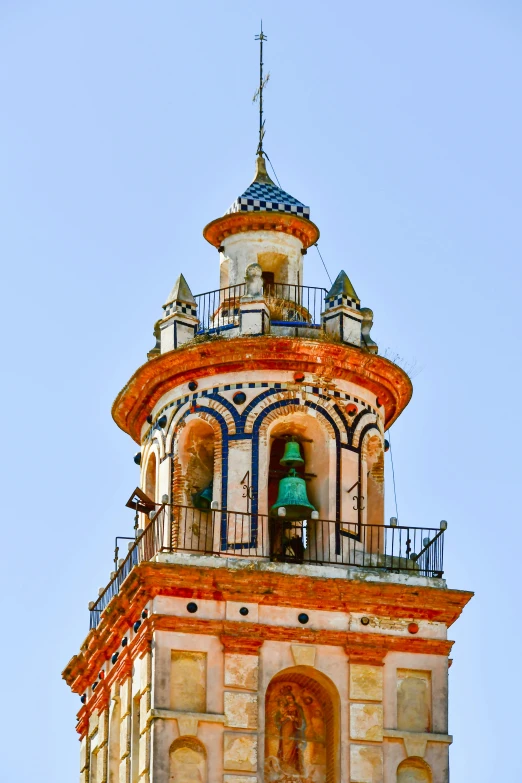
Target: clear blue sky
(126, 127)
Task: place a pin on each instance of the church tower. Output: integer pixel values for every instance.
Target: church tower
(267, 623)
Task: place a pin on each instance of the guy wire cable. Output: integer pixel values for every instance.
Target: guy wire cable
(316, 245)
(393, 475)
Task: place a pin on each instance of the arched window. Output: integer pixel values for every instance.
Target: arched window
(150, 477)
(301, 727)
(414, 770)
(188, 761)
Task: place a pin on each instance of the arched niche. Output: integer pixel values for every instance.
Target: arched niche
(414, 770)
(150, 476)
(315, 444)
(302, 727)
(193, 472)
(188, 761)
(195, 454)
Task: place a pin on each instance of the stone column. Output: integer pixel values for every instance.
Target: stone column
(241, 682)
(125, 729)
(145, 716)
(84, 760)
(366, 720)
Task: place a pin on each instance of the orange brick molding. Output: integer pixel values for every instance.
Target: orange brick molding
(192, 362)
(238, 222)
(269, 588)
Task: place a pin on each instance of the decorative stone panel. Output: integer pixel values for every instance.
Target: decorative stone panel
(366, 764)
(413, 700)
(366, 722)
(241, 710)
(188, 681)
(366, 682)
(242, 671)
(240, 751)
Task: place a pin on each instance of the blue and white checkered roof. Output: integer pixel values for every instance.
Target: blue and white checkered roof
(265, 197)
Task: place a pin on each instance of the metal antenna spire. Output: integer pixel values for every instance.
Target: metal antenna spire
(259, 92)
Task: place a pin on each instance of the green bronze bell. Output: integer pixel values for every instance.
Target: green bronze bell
(292, 455)
(203, 498)
(292, 496)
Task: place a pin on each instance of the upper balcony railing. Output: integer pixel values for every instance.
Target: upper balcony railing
(289, 305)
(232, 534)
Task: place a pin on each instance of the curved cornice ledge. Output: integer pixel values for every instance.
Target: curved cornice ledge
(332, 361)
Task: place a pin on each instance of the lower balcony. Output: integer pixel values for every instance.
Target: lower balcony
(232, 534)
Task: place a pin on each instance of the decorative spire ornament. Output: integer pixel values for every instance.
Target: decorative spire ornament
(258, 95)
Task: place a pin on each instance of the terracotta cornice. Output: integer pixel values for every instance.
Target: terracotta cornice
(103, 696)
(266, 588)
(372, 648)
(239, 222)
(205, 360)
(240, 644)
(82, 726)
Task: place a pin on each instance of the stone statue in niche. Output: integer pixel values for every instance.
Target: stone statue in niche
(295, 735)
(253, 283)
(291, 723)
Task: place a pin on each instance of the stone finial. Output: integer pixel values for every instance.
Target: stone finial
(180, 293)
(342, 317)
(342, 287)
(253, 282)
(261, 172)
(367, 324)
(180, 320)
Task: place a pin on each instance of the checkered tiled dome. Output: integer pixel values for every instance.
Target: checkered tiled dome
(264, 196)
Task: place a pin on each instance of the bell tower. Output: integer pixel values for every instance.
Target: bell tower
(267, 623)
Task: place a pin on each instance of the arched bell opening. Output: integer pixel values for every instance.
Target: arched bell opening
(301, 727)
(188, 761)
(301, 487)
(414, 770)
(193, 486)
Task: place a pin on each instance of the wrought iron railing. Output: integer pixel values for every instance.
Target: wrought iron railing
(298, 305)
(289, 304)
(219, 310)
(396, 549)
